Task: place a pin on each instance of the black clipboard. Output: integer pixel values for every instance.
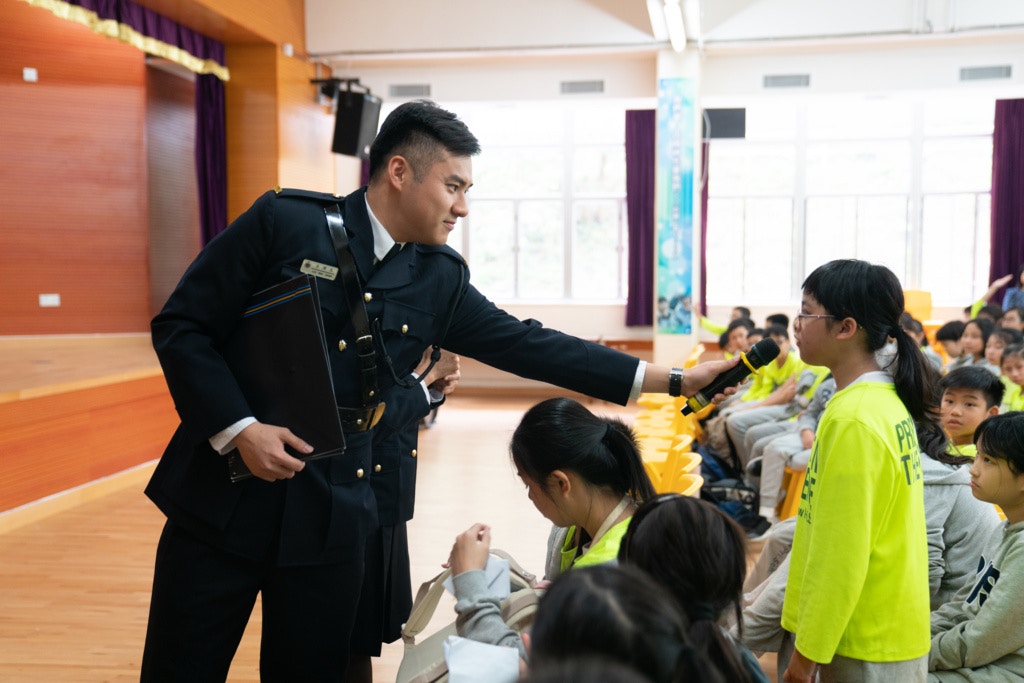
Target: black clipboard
(278, 356)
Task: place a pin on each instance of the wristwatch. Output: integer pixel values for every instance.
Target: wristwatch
(675, 382)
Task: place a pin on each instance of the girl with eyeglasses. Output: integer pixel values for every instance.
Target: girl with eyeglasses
(857, 593)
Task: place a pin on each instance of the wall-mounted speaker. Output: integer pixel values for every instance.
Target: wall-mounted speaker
(355, 124)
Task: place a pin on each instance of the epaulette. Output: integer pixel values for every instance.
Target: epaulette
(443, 249)
(307, 194)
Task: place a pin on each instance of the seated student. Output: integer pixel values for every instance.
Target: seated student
(1013, 318)
(915, 329)
(698, 554)
(998, 340)
(584, 473)
(774, 392)
(735, 339)
(753, 336)
(716, 328)
(990, 312)
(957, 529)
(777, 319)
(618, 613)
(972, 341)
(958, 525)
(1012, 366)
(948, 337)
(1014, 296)
(772, 454)
(979, 635)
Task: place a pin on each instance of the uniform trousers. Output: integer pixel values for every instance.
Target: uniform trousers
(203, 597)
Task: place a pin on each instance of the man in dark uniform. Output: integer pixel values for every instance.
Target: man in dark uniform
(296, 532)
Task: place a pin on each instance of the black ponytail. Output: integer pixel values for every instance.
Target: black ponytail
(873, 296)
(561, 434)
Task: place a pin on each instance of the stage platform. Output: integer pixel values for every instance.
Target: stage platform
(76, 410)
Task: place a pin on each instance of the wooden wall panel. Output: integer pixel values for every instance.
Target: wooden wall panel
(72, 165)
(252, 124)
(307, 129)
(56, 442)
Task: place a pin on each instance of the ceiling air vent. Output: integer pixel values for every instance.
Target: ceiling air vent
(788, 81)
(409, 90)
(984, 73)
(579, 87)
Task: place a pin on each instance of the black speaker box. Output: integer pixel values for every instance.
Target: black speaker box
(355, 124)
(724, 123)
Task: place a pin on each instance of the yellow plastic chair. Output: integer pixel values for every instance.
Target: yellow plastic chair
(690, 485)
(676, 476)
(918, 303)
(793, 484)
(694, 356)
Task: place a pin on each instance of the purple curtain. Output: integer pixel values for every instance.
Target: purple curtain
(211, 144)
(153, 25)
(211, 156)
(1007, 230)
(640, 150)
(705, 155)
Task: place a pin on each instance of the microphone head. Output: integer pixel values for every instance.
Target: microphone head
(763, 352)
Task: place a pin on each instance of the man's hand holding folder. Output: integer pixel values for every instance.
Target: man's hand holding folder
(278, 357)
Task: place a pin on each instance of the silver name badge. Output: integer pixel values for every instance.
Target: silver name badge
(319, 270)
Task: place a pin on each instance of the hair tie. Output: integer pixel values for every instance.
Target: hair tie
(701, 611)
(609, 429)
(894, 331)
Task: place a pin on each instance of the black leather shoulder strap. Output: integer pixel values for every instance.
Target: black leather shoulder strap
(356, 306)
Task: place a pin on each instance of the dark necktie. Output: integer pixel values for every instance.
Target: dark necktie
(395, 248)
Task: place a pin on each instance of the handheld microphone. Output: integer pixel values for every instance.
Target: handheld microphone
(761, 353)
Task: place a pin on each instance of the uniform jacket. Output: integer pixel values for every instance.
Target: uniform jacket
(327, 507)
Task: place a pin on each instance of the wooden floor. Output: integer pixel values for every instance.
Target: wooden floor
(74, 586)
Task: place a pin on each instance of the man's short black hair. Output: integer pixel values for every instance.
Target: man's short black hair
(419, 131)
(977, 378)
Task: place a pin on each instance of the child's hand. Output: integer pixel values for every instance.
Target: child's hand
(470, 549)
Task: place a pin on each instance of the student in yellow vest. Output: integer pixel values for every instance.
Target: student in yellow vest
(1012, 367)
(584, 473)
(857, 592)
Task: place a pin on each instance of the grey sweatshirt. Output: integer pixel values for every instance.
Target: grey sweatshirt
(979, 636)
(959, 526)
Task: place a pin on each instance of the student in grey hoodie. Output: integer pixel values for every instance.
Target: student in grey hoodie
(979, 636)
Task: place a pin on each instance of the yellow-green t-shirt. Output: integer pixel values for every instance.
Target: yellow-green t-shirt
(605, 550)
(968, 450)
(771, 376)
(858, 577)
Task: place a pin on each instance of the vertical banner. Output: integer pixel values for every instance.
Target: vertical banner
(674, 204)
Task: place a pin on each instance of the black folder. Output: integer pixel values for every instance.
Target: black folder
(278, 355)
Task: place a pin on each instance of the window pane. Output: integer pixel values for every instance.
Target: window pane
(739, 168)
(768, 251)
(749, 251)
(771, 121)
(518, 172)
(830, 231)
(491, 229)
(599, 171)
(597, 250)
(541, 250)
(595, 124)
(508, 123)
(948, 247)
(960, 116)
(858, 167)
(846, 118)
(957, 165)
(882, 230)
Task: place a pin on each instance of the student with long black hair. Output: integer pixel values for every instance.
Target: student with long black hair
(857, 592)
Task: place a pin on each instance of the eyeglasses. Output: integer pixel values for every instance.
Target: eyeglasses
(800, 317)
